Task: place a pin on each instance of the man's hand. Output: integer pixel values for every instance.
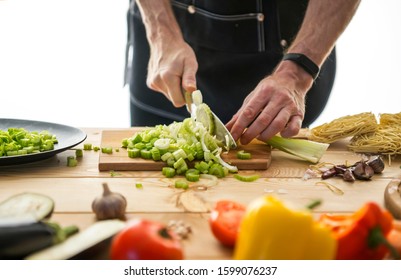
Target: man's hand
(276, 105)
(172, 65)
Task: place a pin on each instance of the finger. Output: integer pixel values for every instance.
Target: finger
(173, 85)
(246, 115)
(276, 126)
(231, 122)
(263, 121)
(293, 126)
(189, 76)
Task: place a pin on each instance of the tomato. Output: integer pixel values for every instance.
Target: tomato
(225, 219)
(146, 240)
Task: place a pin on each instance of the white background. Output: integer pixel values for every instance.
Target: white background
(63, 61)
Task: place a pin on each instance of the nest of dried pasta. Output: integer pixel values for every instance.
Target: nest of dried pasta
(386, 139)
(368, 136)
(344, 127)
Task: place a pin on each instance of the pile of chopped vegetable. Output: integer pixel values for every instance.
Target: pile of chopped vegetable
(179, 144)
(19, 141)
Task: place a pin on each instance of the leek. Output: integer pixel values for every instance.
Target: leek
(306, 149)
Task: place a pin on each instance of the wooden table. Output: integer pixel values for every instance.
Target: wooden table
(74, 188)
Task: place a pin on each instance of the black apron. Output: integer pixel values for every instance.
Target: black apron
(237, 43)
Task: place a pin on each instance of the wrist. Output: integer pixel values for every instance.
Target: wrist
(300, 78)
(304, 62)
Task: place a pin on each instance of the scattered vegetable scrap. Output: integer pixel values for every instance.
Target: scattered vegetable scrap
(87, 146)
(110, 205)
(243, 155)
(72, 161)
(249, 178)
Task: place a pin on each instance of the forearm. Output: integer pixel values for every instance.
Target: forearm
(159, 20)
(325, 21)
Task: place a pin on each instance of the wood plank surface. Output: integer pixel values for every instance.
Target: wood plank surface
(74, 188)
(119, 160)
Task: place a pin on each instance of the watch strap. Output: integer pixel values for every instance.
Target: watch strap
(305, 62)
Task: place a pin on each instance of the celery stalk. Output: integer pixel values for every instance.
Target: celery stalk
(308, 150)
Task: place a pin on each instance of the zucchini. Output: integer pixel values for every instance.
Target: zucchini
(27, 205)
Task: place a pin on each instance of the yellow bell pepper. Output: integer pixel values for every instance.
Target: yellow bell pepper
(271, 231)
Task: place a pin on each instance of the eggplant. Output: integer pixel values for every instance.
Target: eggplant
(16, 242)
(24, 226)
(19, 241)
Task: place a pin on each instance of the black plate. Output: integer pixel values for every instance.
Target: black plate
(67, 137)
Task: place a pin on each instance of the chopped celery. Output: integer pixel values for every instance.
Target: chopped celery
(146, 154)
(19, 141)
(134, 153)
(107, 150)
(249, 178)
(192, 175)
(178, 144)
(79, 153)
(87, 147)
(181, 184)
(71, 161)
(169, 172)
(243, 155)
(308, 150)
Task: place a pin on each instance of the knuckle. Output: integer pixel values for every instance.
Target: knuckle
(249, 113)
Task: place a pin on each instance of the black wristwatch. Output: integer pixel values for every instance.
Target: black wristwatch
(305, 62)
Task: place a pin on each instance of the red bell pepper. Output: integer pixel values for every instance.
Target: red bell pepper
(363, 234)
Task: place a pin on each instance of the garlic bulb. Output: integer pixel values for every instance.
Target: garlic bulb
(110, 205)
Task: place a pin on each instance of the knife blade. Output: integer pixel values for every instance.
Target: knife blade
(221, 132)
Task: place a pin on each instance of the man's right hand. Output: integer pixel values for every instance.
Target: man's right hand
(172, 64)
(172, 67)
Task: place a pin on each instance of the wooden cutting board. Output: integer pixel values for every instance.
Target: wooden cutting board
(119, 160)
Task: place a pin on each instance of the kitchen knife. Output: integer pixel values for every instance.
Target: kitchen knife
(193, 100)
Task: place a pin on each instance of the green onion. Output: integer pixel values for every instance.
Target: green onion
(96, 148)
(250, 178)
(138, 186)
(308, 150)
